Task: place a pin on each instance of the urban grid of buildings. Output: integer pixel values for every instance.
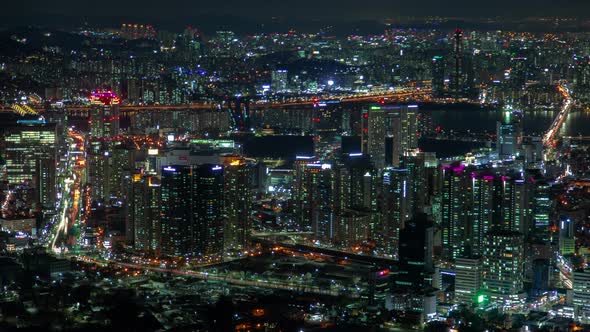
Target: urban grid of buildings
(176, 177)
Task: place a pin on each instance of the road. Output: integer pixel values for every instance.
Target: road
(58, 234)
(272, 284)
(549, 137)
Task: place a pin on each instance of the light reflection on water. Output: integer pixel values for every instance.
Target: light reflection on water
(535, 123)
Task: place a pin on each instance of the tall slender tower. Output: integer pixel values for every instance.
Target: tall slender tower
(438, 76)
(237, 183)
(457, 74)
(177, 227)
(207, 209)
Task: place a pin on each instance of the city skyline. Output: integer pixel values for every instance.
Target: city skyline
(423, 173)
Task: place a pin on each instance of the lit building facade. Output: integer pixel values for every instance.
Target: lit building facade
(581, 295)
(31, 155)
(144, 213)
(503, 266)
(238, 203)
(177, 227)
(207, 209)
(468, 279)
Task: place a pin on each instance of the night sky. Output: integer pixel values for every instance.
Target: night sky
(302, 9)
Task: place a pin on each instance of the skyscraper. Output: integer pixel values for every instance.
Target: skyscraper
(438, 76)
(581, 295)
(503, 266)
(455, 208)
(279, 80)
(302, 193)
(468, 279)
(314, 195)
(541, 209)
(567, 239)
(104, 114)
(31, 156)
(97, 169)
(400, 123)
(355, 197)
(373, 135)
(415, 254)
(404, 132)
(394, 208)
(207, 209)
(482, 214)
(177, 227)
(457, 73)
(506, 140)
(421, 170)
(120, 161)
(238, 201)
(144, 212)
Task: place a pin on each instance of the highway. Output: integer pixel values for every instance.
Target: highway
(57, 234)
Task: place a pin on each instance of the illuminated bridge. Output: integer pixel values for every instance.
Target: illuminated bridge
(552, 132)
(406, 94)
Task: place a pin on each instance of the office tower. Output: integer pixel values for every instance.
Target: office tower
(405, 139)
(541, 275)
(176, 216)
(415, 254)
(468, 279)
(301, 192)
(120, 161)
(519, 205)
(238, 203)
(483, 213)
(31, 156)
(455, 209)
(279, 81)
(496, 201)
(438, 76)
(373, 135)
(355, 197)
(541, 209)
(506, 140)
(109, 166)
(314, 194)
(581, 295)
(104, 114)
(567, 239)
(355, 183)
(97, 169)
(421, 167)
(379, 281)
(457, 81)
(144, 213)
(394, 207)
(207, 209)
(321, 179)
(503, 265)
(383, 121)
